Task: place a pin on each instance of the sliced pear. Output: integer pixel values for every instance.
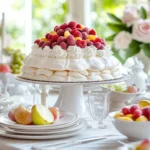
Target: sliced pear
(41, 115)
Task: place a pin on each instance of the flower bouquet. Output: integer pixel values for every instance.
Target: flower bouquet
(131, 33)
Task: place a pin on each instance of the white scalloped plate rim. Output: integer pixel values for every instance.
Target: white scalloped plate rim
(67, 120)
(43, 137)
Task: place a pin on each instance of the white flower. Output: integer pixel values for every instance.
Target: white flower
(141, 31)
(130, 14)
(122, 40)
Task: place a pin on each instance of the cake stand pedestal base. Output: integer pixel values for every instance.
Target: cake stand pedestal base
(71, 99)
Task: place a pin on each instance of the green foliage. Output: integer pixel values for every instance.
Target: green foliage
(114, 18)
(146, 49)
(110, 38)
(143, 13)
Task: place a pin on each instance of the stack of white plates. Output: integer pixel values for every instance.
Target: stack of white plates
(68, 125)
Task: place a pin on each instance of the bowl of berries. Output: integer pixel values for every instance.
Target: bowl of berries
(121, 94)
(133, 121)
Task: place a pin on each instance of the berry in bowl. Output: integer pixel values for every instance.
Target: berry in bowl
(133, 121)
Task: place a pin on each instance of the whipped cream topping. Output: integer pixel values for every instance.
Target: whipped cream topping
(105, 52)
(75, 52)
(89, 51)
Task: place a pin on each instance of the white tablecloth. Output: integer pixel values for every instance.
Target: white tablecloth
(111, 143)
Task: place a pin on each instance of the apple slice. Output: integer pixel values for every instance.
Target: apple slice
(56, 113)
(22, 115)
(11, 115)
(41, 115)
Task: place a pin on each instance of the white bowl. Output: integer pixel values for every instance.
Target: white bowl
(133, 130)
(118, 99)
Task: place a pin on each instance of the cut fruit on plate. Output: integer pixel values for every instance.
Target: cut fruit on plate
(41, 115)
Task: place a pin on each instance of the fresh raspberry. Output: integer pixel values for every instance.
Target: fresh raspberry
(84, 44)
(68, 29)
(50, 36)
(85, 30)
(78, 26)
(71, 24)
(90, 43)
(137, 113)
(78, 43)
(77, 34)
(60, 32)
(133, 108)
(37, 41)
(41, 43)
(92, 32)
(98, 40)
(46, 44)
(63, 45)
(63, 26)
(97, 45)
(54, 38)
(47, 35)
(125, 110)
(61, 39)
(103, 42)
(70, 40)
(73, 31)
(84, 35)
(101, 47)
(56, 28)
(53, 44)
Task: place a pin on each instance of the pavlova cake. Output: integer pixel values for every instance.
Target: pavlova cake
(71, 52)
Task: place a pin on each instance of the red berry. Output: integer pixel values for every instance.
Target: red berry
(54, 37)
(70, 40)
(53, 44)
(85, 30)
(146, 111)
(46, 44)
(97, 45)
(77, 34)
(98, 40)
(50, 36)
(47, 35)
(68, 29)
(78, 26)
(137, 113)
(63, 26)
(102, 47)
(84, 35)
(89, 43)
(63, 45)
(61, 39)
(56, 28)
(78, 43)
(71, 24)
(74, 30)
(92, 32)
(84, 44)
(60, 32)
(41, 43)
(133, 108)
(103, 42)
(37, 41)
(125, 110)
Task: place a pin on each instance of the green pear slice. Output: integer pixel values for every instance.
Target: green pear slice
(41, 115)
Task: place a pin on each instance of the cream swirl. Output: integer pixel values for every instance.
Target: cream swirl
(89, 51)
(58, 52)
(105, 52)
(75, 52)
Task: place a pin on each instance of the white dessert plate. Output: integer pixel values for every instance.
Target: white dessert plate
(66, 119)
(77, 126)
(42, 137)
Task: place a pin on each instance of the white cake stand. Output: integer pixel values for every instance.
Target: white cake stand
(71, 94)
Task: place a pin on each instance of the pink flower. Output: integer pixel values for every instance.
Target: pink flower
(141, 31)
(122, 40)
(130, 14)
